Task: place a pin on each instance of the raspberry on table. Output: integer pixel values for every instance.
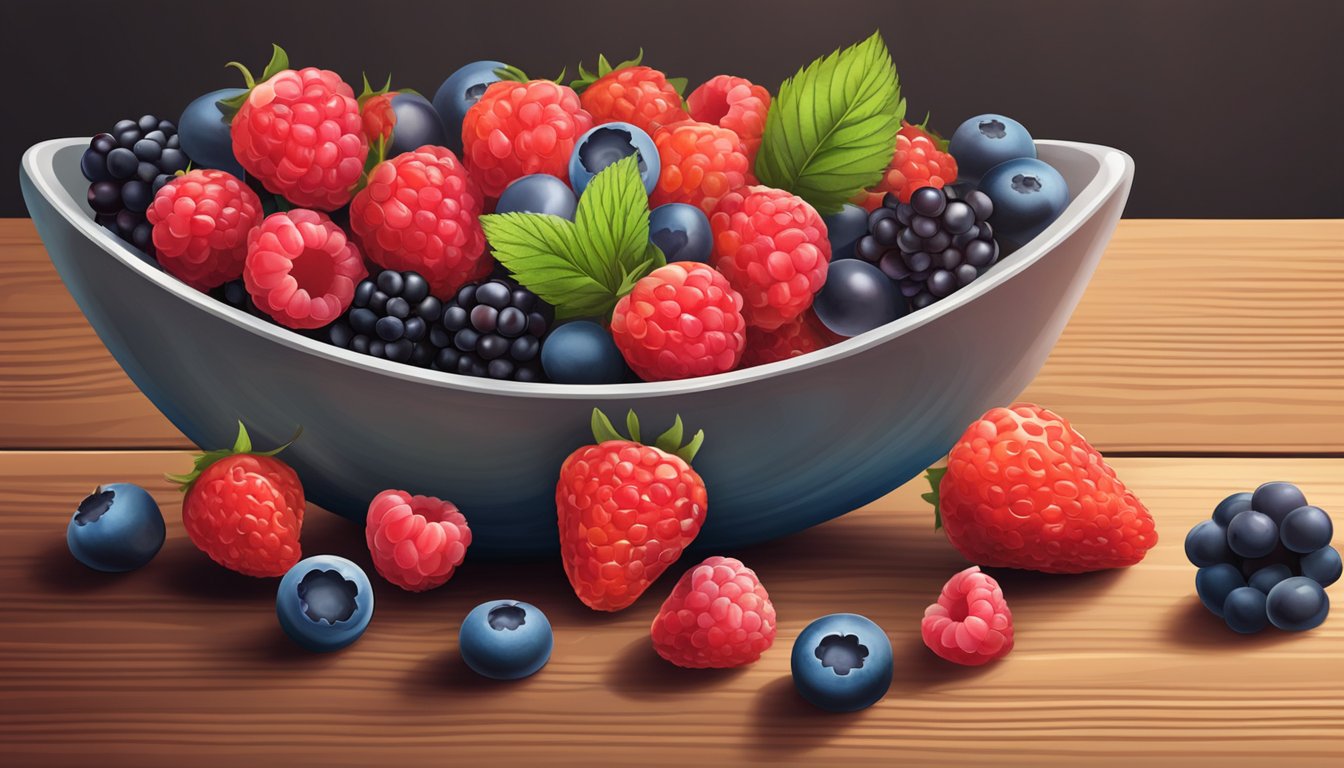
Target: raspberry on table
(970, 623)
(301, 269)
(772, 247)
(719, 615)
(917, 162)
(416, 541)
(420, 212)
(734, 103)
(700, 164)
(637, 95)
(679, 321)
(517, 129)
(200, 225)
(301, 134)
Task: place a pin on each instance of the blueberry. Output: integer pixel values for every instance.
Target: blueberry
(505, 639)
(842, 663)
(1028, 195)
(603, 145)
(1244, 611)
(582, 352)
(1230, 507)
(1277, 499)
(1306, 529)
(1215, 583)
(1206, 544)
(682, 232)
(415, 124)
(984, 141)
(856, 298)
(456, 95)
(1322, 566)
(1251, 534)
(324, 603)
(538, 193)
(1297, 604)
(845, 228)
(117, 528)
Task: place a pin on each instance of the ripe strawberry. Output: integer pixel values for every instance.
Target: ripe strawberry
(201, 220)
(420, 213)
(626, 511)
(630, 93)
(299, 132)
(679, 321)
(718, 616)
(700, 164)
(243, 508)
(734, 103)
(772, 247)
(301, 269)
(416, 541)
(1022, 489)
(970, 623)
(520, 128)
(921, 160)
(804, 333)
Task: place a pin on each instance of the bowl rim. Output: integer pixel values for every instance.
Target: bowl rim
(1114, 168)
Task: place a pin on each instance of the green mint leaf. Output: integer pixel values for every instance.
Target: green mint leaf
(832, 129)
(543, 253)
(613, 221)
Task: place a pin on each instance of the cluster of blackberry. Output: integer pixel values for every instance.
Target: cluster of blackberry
(125, 168)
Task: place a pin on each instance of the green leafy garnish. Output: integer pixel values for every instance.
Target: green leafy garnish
(279, 62)
(832, 129)
(935, 477)
(582, 267)
(669, 441)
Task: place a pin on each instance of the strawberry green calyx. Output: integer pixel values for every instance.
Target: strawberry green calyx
(668, 442)
(935, 477)
(604, 68)
(242, 444)
(279, 63)
(512, 74)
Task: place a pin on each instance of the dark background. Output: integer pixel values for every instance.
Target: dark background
(1231, 108)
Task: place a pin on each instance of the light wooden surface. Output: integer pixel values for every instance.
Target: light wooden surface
(1195, 336)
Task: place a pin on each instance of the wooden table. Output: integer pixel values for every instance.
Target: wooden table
(1206, 357)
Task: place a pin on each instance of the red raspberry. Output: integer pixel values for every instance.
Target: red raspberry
(301, 269)
(640, 96)
(798, 336)
(416, 541)
(301, 134)
(244, 509)
(734, 103)
(201, 220)
(719, 615)
(1022, 489)
(700, 164)
(377, 118)
(517, 129)
(920, 161)
(970, 624)
(420, 213)
(679, 321)
(772, 246)
(625, 511)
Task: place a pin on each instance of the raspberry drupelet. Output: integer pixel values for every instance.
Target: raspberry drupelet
(517, 129)
(679, 321)
(734, 103)
(416, 541)
(719, 615)
(301, 269)
(970, 623)
(200, 225)
(700, 164)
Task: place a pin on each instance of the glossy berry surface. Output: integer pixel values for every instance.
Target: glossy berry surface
(857, 298)
(734, 103)
(494, 330)
(637, 94)
(516, 129)
(1265, 578)
(718, 616)
(1322, 566)
(392, 317)
(583, 352)
(402, 122)
(204, 132)
(301, 268)
(1277, 499)
(844, 229)
(201, 221)
(1230, 507)
(538, 193)
(799, 336)
(324, 603)
(1215, 583)
(917, 162)
(681, 232)
(1028, 196)
(125, 168)
(700, 164)
(416, 542)
(1252, 534)
(971, 623)
(1206, 544)
(985, 141)
(604, 144)
(1297, 604)
(842, 663)
(1244, 610)
(1306, 529)
(116, 528)
(505, 639)
(459, 92)
(680, 321)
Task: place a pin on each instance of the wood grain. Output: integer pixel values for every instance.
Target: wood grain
(1220, 336)
(182, 663)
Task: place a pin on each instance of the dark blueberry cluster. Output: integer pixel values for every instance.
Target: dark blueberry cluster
(1265, 558)
(931, 246)
(495, 330)
(125, 168)
(393, 317)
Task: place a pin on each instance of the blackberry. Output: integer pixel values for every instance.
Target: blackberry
(125, 168)
(933, 245)
(496, 329)
(392, 317)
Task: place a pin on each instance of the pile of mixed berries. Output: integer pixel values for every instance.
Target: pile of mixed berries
(495, 231)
